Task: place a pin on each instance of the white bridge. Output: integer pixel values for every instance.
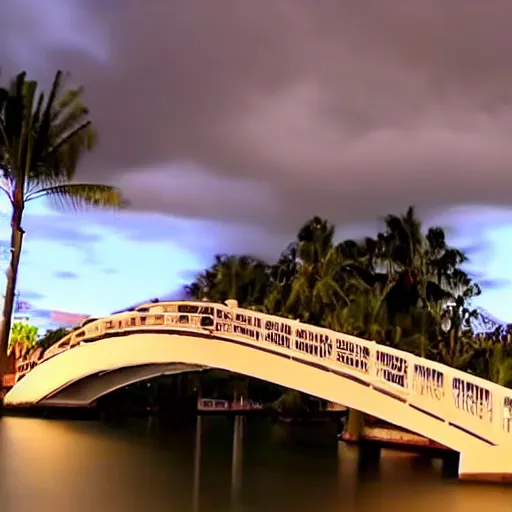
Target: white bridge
(463, 412)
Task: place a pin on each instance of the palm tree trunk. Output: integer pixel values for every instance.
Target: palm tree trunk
(10, 289)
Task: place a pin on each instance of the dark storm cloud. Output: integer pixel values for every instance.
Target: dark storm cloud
(285, 109)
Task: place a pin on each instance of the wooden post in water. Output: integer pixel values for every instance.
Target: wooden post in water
(197, 465)
(354, 426)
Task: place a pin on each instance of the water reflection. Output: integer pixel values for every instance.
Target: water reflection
(217, 465)
(236, 464)
(197, 465)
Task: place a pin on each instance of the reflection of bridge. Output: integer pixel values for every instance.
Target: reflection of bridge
(465, 413)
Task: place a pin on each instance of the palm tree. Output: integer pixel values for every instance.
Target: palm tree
(41, 141)
(366, 314)
(242, 278)
(281, 278)
(500, 367)
(23, 334)
(204, 282)
(425, 269)
(491, 360)
(317, 288)
(456, 348)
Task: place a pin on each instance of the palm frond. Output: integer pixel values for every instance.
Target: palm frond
(81, 195)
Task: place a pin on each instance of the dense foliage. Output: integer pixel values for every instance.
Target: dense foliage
(51, 337)
(23, 334)
(405, 288)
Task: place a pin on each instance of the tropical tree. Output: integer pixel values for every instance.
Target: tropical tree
(406, 288)
(318, 286)
(500, 366)
(366, 314)
(491, 359)
(23, 334)
(42, 138)
(242, 278)
(424, 268)
(281, 277)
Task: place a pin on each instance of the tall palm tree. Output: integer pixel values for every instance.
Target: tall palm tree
(281, 278)
(426, 270)
(42, 138)
(318, 287)
(456, 347)
(243, 278)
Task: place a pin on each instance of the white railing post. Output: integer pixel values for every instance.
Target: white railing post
(448, 403)
(372, 363)
(232, 304)
(263, 331)
(293, 337)
(411, 361)
(334, 355)
(498, 411)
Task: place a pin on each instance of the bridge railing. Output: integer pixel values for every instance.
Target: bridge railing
(466, 401)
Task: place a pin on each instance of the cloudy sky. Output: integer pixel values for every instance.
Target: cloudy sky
(227, 123)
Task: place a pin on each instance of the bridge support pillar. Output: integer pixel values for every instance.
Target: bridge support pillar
(486, 464)
(451, 462)
(353, 427)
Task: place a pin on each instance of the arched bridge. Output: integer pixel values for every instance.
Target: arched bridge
(461, 411)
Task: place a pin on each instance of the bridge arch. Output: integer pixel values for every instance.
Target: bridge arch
(453, 408)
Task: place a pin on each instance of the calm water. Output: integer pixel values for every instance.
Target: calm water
(238, 465)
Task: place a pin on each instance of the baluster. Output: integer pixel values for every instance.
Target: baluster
(450, 399)
(409, 382)
(499, 409)
(334, 354)
(372, 362)
(263, 332)
(453, 397)
(506, 404)
(496, 410)
(215, 319)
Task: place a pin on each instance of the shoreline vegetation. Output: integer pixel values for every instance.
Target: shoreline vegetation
(405, 288)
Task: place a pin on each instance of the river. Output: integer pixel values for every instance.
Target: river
(243, 465)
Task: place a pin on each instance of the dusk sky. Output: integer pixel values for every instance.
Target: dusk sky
(228, 123)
